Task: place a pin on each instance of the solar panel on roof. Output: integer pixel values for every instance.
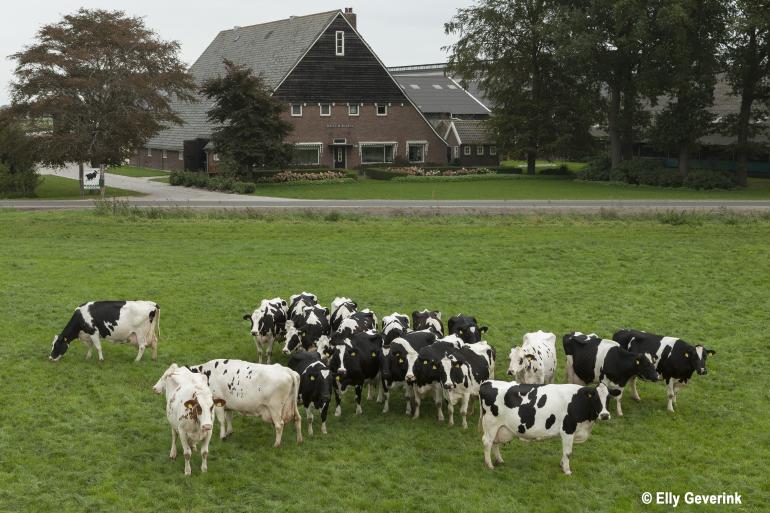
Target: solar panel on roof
(450, 86)
(414, 86)
(436, 86)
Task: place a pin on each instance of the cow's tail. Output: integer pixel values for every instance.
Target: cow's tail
(479, 427)
(154, 329)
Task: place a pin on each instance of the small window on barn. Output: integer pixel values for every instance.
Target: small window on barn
(382, 110)
(467, 149)
(416, 151)
(493, 150)
(339, 47)
(353, 109)
(455, 152)
(326, 109)
(296, 110)
(480, 149)
(216, 157)
(165, 155)
(149, 152)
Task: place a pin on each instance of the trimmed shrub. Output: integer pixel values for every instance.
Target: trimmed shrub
(244, 187)
(556, 171)
(710, 179)
(597, 170)
(378, 173)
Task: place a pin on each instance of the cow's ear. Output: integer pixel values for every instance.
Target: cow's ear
(246, 317)
(437, 314)
(529, 357)
(614, 392)
(483, 329)
(190, 404)
(711, 352)
(219, 402)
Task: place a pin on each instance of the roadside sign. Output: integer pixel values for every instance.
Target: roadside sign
(91, 179)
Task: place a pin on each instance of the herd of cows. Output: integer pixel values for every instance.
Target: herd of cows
(333, 350)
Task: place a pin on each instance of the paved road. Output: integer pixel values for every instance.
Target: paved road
(165, 196)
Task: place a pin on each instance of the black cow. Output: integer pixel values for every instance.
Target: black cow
(462, 371)
(400, 356)
(676, 359)
(308, 330)
(466, 327)
(591, 359)
(315, 385)
(428, 320)
(354, 363)
(425, 373)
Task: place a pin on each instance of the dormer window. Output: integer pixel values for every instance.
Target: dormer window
(339, 43)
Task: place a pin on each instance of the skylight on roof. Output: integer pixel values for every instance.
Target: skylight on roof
(450, 86)
(437, 86)
(414, 86)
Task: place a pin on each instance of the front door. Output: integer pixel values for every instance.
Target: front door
(339, 157)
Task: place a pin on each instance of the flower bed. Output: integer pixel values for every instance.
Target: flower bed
(293, 176)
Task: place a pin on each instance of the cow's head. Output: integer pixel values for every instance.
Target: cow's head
(344, 363)
(451, 371)
(466, 327)
(395, 364)
(590, 403)
(257, 320)
(525, 366)
(700, 362)
(644, 367)
(428, 320)
(426, 369)
(59, 346)
(315, 384)
(293, 337)
(199, 405)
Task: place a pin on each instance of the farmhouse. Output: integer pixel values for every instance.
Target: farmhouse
(346, 108)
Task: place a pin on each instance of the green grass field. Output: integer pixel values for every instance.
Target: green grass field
(82, 436)
(500, 188)
(136, 172)
(57, 187)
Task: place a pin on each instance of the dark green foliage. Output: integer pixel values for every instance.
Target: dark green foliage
(597, 169)
(18, 177)
(251, 131)
(508, 170)
(244, 187)
(631, 171)
(378, 173)
(20, 184)
(556, 171)
(652, 172)
(710, 179)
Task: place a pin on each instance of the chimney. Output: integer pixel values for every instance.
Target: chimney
(350, 16)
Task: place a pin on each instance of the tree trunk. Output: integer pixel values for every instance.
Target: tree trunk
(627, 121)
(531, 157)
(102, 188)
(80, 176)
(613, 119)
(684, 160)
(742, 146)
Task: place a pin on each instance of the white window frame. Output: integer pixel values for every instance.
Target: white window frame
(467, 150)
(164, 154)
(455, 152)
(424, 145)
(377, 110)
(361, 146)
(493, 151)
(339, 43)
(311, 145)
(149, 152)
(480, 150)
(215, 157)
(358, 110)
(292, 110)
(321, 109)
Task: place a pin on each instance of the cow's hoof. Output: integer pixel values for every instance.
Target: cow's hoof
(489, 466)
(172, 455)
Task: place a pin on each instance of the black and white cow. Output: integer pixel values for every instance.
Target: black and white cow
(342, 308)
(307, 331)
(462, 371)
(424, 374)
(393, 326)
(676, 359)
(534, 362)
(356, 362)
(466, 327)
(357, 322)
(298, 302)
(428, 320)
(135, 322)
(591, 359)
(268, 323)
(538, 412)
(315, 385)
(398, 359)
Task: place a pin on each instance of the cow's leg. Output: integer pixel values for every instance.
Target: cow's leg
(205, 452)
(221, 416)
(498, 456)
(386, 397)
(278, 424)
(438, 398)
(154, 345)
(671, 394)
(359, 393)
(309, 415)
(140, 353)
(98, 345)
(566, 452)
(417, 401)
(172, 454)
(324, 413)
(338, 409)
(369, 394)
(450, 408)
(408, 398)
(270, 339)
(187, 452)
(488, 440)
(617, 403)
(258, 343)
(464, 411)
(634, 392)
(297, 421)
(380, 389)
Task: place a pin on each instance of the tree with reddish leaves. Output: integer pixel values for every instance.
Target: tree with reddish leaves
(96, 86)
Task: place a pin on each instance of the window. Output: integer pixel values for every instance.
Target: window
(455, 152)
(480, 149)
(416, 151)
(326, 109)
(296, 109)
(216, 157)
(165, 155)
(382, 110)
(308, 154)
(493, 150)
(377, 153)
(467, 149)
(181, 154)
(149, 152)
(353, 110)
(339, 46)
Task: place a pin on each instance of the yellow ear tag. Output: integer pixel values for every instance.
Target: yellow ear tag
(400, 360)
(338, 378)
(637, 362)
(435, 367)
(425, 362)
(590, 394)
(687, 355)
(374, 355)
(312, 378)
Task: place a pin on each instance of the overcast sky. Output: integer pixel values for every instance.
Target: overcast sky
(400, 31)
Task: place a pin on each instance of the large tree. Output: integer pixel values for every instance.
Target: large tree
(104, 83)
(250, 130)
(541, 102)
(687, 57)
(747, 66)
(18, 155)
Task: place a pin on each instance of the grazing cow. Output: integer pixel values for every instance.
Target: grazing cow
(315, 385)
(189, 405)
(268, 323)
(393, 326)
(591, 359)
(356, 362)
(298, 302)
(398, 359)
(534, 362)
(537, 412)
(462, 371)
(267, 391)
(428, 320)
(342, 308)
(676, 359)
(309, 330)
(358, 322)
(135, 322)
(466, 327)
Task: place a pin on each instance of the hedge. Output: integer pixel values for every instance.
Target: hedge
(219, 183)
(652, 172)
(378, 173)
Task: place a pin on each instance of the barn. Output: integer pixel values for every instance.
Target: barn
(346, 108)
